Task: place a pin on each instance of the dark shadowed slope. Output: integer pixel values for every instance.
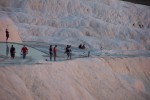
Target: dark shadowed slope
(143, 2)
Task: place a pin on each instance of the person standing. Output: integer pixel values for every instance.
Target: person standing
(68, 51)
(12, 51)
(7, 34)
(24, 51)
(50, 52)
(54, 51)
(70, 54)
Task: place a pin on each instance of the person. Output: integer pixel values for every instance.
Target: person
(68, 51)
(7, 34)
(7, 50)
(133, 24)
(12, 51)
(83, 46)
(140, 25)
(80, 46)
(88, 53)
(24, 51)
(54, 52)
(50, 52)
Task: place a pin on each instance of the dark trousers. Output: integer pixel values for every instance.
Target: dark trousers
(12, 55)
(68, 55)
(51, 56)
(24, 55)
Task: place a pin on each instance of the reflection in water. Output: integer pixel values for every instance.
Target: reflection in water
(7, 50)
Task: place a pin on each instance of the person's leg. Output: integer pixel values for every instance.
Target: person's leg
(13, 56)
(50, 57)
(67, 55)
(23, 55)
(70, 55)
(54, 57)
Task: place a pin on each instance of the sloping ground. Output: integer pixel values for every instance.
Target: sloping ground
(39, 52)
(82, 79)
(111, 24)
(144, 2)
(32, 56)
(6, 22)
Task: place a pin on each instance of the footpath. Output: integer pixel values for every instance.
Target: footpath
(39, 51)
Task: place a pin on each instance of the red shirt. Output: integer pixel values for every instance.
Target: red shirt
(54, 50)
(24, 50)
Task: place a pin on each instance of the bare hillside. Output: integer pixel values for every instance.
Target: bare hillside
(111, 24)
(116, 33)
(82, 79)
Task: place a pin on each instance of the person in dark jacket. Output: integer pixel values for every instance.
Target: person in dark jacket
(50, 52)
(7, 34)
(68, 51)
(80, 46)
(12, 51)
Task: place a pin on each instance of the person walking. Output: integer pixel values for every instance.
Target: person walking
(54, 52)
(68, 51)
(50, 52)
(24, 51)
(12, 51)
(7, 34)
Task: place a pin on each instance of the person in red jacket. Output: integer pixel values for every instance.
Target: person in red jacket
(24, 51)
(54, 52)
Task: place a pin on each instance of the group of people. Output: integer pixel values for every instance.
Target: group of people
(24, 51)
(53, 52)
(81, 46)
(140, 25)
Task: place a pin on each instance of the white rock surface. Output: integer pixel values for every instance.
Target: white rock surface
(14, 36)
(111, 24)
(82, 79)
